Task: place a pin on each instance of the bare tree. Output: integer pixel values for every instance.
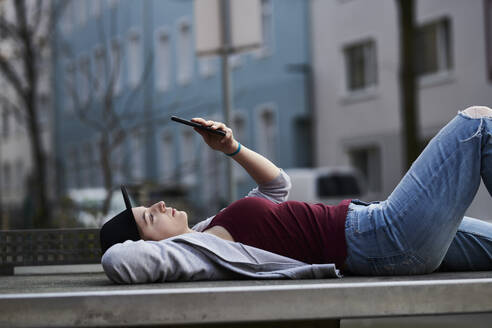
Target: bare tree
(26, 30)
(408, 83)
(100, 105)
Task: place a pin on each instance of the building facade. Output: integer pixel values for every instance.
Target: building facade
(145, 49)
(356, 62)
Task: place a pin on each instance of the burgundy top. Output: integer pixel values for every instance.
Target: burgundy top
(311, 233)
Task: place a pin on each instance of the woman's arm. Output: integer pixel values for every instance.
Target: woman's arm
(259, 168)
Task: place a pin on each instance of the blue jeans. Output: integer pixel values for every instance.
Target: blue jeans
(421, 226)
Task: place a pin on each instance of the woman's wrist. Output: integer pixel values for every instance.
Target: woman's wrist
(234, 149)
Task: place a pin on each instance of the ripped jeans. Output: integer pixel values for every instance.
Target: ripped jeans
(421, 226)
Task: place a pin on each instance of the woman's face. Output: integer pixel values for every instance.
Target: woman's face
(159, 222)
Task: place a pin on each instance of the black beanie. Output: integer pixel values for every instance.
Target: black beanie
(120, 228)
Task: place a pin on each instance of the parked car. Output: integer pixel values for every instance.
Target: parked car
(328, 185)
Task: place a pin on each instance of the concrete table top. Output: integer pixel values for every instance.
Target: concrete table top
(90, 299)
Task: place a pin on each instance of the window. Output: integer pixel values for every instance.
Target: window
(116, 74)
(266, 28)
(188, 157)
(433, 48)
(134, 57)
(208, 66)
(267, 133)
(488, 35)
(185, 53)
(167, 165)
(163, 60)
(99, 71)
(360, 64)
(368, 161)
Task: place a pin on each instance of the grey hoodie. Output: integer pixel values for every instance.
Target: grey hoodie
(203, 256)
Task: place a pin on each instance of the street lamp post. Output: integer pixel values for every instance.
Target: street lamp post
(225, 27)
(227, 96)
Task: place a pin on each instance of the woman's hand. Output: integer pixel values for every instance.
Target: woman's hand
(226, 144)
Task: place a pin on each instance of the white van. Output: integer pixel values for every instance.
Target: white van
(89, 202)
(327, 185)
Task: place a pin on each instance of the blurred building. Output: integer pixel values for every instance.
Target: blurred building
(147, 49)
(356, 60)
(16, 163)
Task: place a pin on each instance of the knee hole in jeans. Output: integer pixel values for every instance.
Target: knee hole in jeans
(478, 112)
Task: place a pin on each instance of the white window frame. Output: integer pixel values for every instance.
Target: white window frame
(134, 56)
(184, 49)
(369, 53)
(263, 135)
(163, 61)
(444, 70)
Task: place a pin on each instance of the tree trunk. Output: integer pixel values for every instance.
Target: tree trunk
(408, 83)
(42, 211)
(39, 187)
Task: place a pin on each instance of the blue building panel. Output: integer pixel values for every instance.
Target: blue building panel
(266, 85)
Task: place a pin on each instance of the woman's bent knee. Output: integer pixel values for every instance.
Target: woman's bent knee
(478, 112)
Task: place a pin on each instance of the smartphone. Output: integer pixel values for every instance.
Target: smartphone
(197, 125)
